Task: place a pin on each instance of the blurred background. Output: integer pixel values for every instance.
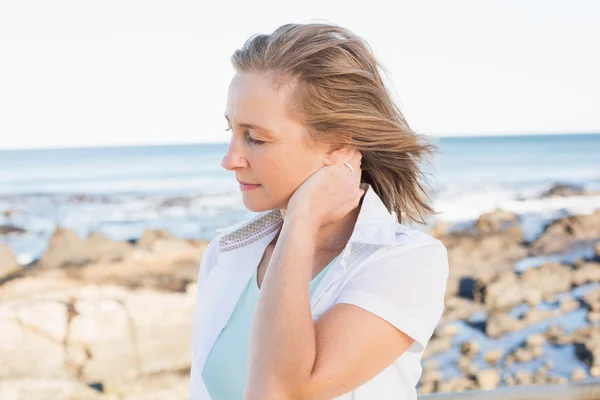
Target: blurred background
(111, 138)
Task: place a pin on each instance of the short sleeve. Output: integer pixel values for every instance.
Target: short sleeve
(404, 287)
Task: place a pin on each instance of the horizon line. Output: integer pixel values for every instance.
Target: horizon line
(176, 144)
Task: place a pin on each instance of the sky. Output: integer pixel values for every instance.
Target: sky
(132, 72)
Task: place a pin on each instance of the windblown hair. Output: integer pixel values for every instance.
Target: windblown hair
(339, 95)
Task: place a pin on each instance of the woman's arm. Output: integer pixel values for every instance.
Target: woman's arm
(282, 335)
(291, 358)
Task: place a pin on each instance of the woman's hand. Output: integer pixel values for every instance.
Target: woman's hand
(330, 193)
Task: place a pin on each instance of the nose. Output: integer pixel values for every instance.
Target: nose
(233, 158)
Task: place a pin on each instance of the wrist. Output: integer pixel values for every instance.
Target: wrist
(303, 221)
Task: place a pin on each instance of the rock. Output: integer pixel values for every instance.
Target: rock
(592, 299)
(568, 304)
(166, 271)
(559, 380)
(535, 339)
(168, 386)
(103, 249)
(149, 237)
(549, 297)
(566, 232)
(537, 352)
(439, 230)
(586, 272)
(524, 377)
(427, 387)
(549, 278)
(510, 380)
(469, 349)
(579, 374)
(563, 190)
(8, 262)
(456, 385)
(458, 308)
(449, 330)
(48, 389)
(493, 356)
(163, 337)
(503, 292)
(593, 317)
(533, 298)
(587, 344)
(432, 376)
(534, 315)
(522, 355)
(49, 318)
(102, 328)
(26, 352)
(66, 248)
(508, 289)
(541, 375)
(437, 345)
(556, 334)
(500, 323)
(467, 367)
(509, 360)
(94, 333)
(497, 221)
(475, 255)
(11, 230)
(488, 379)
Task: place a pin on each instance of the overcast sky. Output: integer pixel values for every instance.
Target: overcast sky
(133, 72)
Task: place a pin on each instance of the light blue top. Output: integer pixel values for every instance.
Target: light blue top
(224, 372)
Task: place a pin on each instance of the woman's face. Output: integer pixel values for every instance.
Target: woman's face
(282, 159)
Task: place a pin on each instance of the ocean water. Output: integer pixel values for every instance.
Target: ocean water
(123, 190)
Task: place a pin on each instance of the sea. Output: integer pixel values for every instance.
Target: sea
(121, 191)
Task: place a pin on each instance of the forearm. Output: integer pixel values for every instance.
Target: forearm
(282, 346)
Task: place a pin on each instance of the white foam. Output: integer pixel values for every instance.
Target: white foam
(471, 206)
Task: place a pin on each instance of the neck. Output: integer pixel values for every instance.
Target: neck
(333, 237)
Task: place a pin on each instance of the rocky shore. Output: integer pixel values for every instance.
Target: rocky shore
(95, 318)
(518, 313)
(99, 319)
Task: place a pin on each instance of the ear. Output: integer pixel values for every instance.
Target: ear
(334, 154)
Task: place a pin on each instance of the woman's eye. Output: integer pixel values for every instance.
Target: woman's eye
(253, 141)
(249, 138)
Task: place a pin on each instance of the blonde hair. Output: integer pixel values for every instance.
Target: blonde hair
(338, 94)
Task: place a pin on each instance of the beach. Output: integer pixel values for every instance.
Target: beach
(100, 248)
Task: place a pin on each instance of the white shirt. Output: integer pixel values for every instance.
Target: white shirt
(395, 272)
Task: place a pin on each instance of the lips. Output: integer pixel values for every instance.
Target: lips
(245, 186)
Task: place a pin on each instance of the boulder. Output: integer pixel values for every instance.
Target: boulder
(103, 249)
(49, 389)
(150, 236)
(566, 232)
(563, 190)
(11, 230)
(65, 249)
(497, 221)
(586, 272)
(8, 262)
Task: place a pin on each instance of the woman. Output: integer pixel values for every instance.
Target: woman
(324, 293)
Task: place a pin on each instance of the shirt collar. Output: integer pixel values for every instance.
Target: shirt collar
(374, 225)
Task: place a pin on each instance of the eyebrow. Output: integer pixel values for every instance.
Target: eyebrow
(251, 126)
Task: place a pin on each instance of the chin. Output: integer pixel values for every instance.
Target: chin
(260, 206)
(255, 206)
